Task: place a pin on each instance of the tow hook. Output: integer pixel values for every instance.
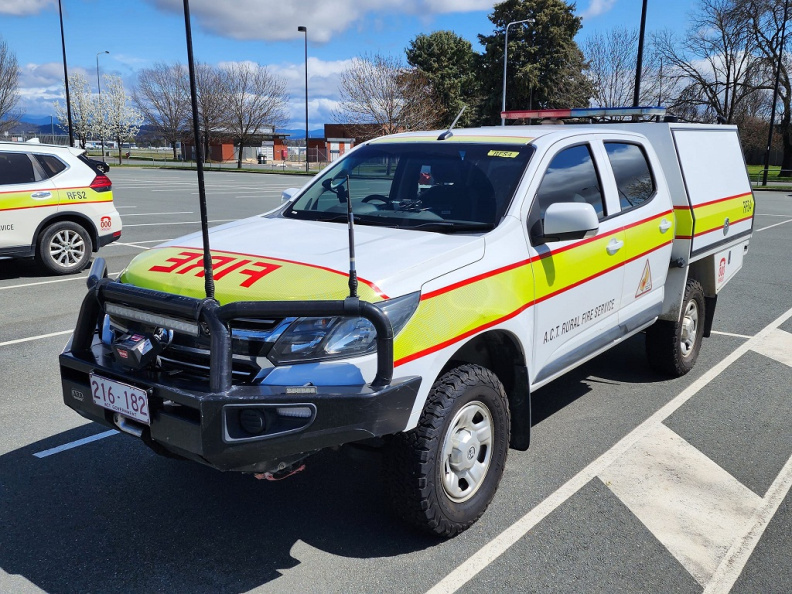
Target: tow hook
(280, 474)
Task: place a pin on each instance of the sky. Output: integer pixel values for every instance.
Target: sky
(139, 33)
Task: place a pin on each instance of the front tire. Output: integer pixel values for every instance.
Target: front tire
(673, 347)
(442, 475)
(65, 248)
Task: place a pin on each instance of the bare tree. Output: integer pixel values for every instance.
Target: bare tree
(120, 120)
(161, 97)
(611, 67)
(380, 90)
(9, 87)
(211, 87)
(765, 19)
(715, 66)
(83, 109)
(255, 100)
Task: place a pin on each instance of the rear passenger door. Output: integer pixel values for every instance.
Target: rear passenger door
(26, 198)
(578, 283)
(647, 217)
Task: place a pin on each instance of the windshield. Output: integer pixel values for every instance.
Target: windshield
(446, 187)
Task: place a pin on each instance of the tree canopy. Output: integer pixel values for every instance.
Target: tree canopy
(545, 66)
(449, 64)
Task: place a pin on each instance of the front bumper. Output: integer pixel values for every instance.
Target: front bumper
(202, 421)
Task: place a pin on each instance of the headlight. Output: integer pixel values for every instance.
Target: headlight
(319, 339)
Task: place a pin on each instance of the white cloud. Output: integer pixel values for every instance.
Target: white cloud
(598, 7)
(277, 21)
(25, 7)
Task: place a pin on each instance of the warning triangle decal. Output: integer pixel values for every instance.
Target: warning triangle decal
(646, 281)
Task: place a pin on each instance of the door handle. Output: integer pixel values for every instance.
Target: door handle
(665, 225)
(614, 246)
(40, 195)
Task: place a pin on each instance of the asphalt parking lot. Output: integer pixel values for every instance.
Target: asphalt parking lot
(633, 482)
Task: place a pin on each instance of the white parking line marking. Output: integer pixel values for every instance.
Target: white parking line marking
(75, 444)
(778, 346)
(59, 280)
(729, 334)
(734, 562)
(776, 225)
(147, 214)
(501, 543)
(39, 337)
(132, 245)
(691, 505)
(177, 223)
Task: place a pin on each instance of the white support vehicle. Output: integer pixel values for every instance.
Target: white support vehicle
(491, 262)
(56, 205)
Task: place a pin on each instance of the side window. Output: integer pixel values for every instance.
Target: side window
(633, 175)
(51, 165)
(16, 168)
(571, 177)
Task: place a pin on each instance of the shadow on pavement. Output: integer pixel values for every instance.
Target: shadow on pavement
(112, 516)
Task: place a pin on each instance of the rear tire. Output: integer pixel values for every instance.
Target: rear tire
(673, 347)
(442, 475)
(65, 248)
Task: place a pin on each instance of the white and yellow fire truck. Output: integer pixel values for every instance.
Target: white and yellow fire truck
(491, 261)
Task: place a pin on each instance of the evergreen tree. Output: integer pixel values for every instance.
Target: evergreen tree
(545, 67)
(448, 62)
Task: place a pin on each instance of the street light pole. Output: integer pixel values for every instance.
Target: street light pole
(305, 30)
(505, 60)
(99, 87)
(66, 78)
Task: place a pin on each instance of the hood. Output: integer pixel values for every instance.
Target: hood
(270, 259)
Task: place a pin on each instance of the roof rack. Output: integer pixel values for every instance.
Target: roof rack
(595, 112)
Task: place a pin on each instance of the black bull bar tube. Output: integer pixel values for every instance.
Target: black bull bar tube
(216, 318)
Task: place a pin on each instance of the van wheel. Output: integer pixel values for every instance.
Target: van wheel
(673, 347)
(442, 475)
(65, 247)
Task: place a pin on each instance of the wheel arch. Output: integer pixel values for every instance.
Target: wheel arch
(501, 352)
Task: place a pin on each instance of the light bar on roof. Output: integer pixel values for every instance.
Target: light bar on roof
(592, 112)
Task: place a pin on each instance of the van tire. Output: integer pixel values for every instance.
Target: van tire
(64, 248)
(673, 347)
(442, 475)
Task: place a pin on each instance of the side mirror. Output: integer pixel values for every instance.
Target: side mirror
(569, 220)
(288, 194)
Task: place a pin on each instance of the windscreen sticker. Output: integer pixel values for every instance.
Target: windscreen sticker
(506, 154)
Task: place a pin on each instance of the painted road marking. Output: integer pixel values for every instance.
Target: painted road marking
(177, 223)
(132, 245)
(59, 280)
(776, 225)
(778, 346)
(501, 543)
(734, 562)
(74, 444)
(725, 333)
(147, 214)
(39, 337)
(692, 506)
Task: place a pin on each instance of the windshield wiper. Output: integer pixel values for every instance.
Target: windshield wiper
(450, 226)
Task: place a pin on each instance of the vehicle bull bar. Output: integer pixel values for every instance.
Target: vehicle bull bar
(213, 320)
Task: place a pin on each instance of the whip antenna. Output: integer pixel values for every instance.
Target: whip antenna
(337, 185)
(207, 255)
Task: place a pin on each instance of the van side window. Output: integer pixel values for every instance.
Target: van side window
(571, 177)
(633, 175)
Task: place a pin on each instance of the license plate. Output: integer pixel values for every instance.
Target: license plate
(124, 399)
